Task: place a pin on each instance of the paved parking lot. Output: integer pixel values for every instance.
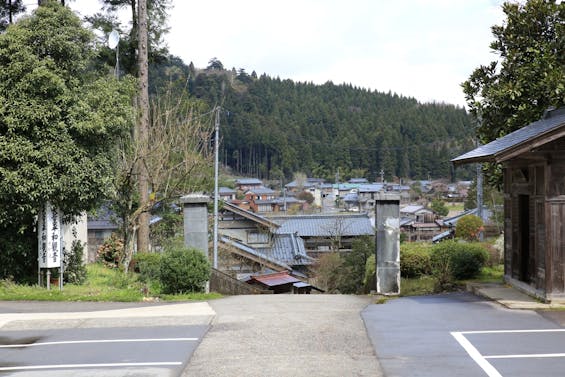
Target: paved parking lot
(516, 352)
(99, 339)
(462, 335)
(88, 351)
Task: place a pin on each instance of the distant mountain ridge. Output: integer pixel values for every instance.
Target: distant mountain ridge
(272, 128)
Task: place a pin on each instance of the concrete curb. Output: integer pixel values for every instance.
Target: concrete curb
(508, 296)
(200, 309)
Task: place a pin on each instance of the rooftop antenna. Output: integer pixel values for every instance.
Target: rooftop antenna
(113, 43)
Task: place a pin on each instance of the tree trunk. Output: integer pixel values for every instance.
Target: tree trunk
(143, 127)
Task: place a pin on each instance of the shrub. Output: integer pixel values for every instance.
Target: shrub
(111, 252)
(353, 265)
(415, 260)
(467, 261)
(369, 280)
(469, 227)
(452, 261)
(328, 271)
(75, 270)
(440, 263)
(18, 252)
(183, 270)
(148, 266)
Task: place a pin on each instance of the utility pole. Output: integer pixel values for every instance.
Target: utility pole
(480, 181)
(216, 173)
(143, 128)
(480, 194)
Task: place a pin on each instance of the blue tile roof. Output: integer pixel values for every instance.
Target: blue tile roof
(289, 249)
(325, 225)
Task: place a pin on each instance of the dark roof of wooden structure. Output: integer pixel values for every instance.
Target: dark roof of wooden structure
(534, 135)
(250, 215)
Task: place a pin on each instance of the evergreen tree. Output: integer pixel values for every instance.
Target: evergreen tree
(530, 76)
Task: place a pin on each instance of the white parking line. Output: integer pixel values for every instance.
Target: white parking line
(475, 355)
(70, 366)
(533, 355)
(482, 359)
(98, 341)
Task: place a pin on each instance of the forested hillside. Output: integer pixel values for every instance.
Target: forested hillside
(272, 128)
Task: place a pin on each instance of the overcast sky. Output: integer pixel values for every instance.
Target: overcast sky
(417, 48)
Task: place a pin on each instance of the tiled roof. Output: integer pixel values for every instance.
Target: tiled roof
(261, 190)
(553, 121)
(254, 252)
(289, 249)
(226, 190)
(325, 225)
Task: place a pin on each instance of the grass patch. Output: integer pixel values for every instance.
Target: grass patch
(494, 274)
(423, 285)
(102, 284)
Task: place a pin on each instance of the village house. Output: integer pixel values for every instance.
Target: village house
(326, 233)
(227, 194)
(244, 184)
(533, 166)
(250, 244)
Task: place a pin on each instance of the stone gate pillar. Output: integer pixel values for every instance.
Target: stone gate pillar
(387, 253)
(195, 210)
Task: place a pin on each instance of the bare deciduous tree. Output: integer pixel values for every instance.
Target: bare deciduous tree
(177, 159)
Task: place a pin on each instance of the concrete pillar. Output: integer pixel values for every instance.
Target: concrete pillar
(387, 257)
(196, 221)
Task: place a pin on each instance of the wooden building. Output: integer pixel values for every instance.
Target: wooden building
(533, 162)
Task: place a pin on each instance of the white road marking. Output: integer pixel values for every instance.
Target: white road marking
(98, 341)
(476, 355)
(482, 359)
(509, 331)
(70, 366)
(533, 355)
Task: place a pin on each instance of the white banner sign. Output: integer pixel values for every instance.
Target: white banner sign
(49, 237)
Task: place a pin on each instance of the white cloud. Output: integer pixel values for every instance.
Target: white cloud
(418, 48)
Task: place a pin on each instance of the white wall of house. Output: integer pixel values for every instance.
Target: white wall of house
(76, 231)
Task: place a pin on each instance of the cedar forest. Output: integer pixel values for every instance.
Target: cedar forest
(272, 127)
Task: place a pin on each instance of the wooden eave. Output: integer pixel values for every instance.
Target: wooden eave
(528, 146)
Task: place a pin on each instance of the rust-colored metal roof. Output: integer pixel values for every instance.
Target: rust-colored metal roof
(278, 278)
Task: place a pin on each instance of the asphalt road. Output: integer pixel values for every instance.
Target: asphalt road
(282, 335)
(460, 335)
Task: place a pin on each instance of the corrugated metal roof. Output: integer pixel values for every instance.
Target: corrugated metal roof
(489, 152)
(248, 214)
(372, 187)
(358, 180)
(411, 209)
(325, 225)
(249, 181)
(279, 278)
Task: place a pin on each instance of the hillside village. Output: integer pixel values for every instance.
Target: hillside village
(264, 230)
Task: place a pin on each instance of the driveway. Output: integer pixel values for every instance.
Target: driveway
(286, 335)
